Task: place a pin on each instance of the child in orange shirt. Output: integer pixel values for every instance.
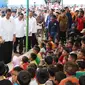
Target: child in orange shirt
(70, 70)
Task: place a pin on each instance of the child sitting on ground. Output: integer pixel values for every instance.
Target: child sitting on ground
(81, 55)
(14, 74)
(69, 45)
(24, 78)
(72, 57)
(59, 76)
(36, 50)
(32, 72)
(25, 62)
(42, 50)
(48, 49)
(50, 40)
(33, 57)
(70, 69)
(42, 75)
(64, 57)
(75, 47)
(51, 80)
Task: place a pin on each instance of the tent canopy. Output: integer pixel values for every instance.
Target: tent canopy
(23, 2)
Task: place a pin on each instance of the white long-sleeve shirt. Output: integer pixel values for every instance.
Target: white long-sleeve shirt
(33, 25)
(20, 28)
(29, 30)
(7, 29)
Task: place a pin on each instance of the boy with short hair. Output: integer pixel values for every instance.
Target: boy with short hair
(72, 57)
(51, 70)
(25, 62)
(59, 76)
(32, 72)
(36, 50)
(70, 69)
(24, 77)
(64, 57)
(33, 57)
(15, 73)
(48, 60)
(42, 75)
(81, 69)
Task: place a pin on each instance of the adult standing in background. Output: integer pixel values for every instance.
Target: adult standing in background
(7, 34)
(31, 31)
(80, 21)
(63, 24)
(68, 14)
(53, 28)
(48, 21)
(20, 24)
(40, 24)
(33, 25)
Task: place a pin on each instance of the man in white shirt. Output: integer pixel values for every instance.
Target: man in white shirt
(20, 24)
(33, 24)
(7, 34)
(31, 31)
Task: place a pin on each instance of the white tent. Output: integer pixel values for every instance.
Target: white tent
(23, 2)
(42, 2)
(71, 2)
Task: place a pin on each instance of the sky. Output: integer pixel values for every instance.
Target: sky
(23, 2)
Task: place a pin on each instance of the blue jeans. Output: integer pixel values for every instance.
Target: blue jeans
(54, 35)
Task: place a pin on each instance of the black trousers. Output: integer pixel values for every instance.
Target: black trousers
(19, 41)
(29, 42)
(34, 40)
(46, 34)
(63, 36)
(6, 52)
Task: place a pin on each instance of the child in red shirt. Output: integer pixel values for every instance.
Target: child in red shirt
(25, 63)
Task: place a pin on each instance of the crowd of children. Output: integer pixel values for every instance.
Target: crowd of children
(54, 61)
(49, 64)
